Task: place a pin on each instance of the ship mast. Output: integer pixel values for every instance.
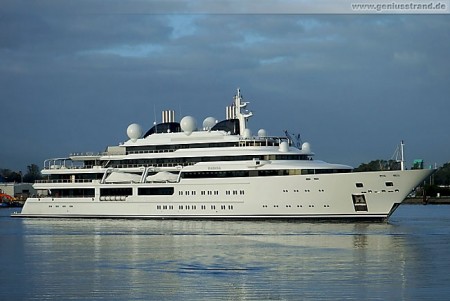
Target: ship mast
(241, 113)
(402, 158)
(399, 155)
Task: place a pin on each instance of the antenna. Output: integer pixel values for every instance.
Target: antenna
(154, 118)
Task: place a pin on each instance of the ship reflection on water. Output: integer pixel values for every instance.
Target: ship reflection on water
(207, 260)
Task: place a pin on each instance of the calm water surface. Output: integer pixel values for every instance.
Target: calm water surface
(57, 259)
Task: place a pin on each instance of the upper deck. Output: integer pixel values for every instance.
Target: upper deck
(172, 144)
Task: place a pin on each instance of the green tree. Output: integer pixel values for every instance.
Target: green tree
(33, 174)
(442, 175)
(440, 182)
(11, 176)
(377, 165)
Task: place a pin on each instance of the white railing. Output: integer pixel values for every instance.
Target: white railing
(65, 181)
(87, 154)
(154, 151)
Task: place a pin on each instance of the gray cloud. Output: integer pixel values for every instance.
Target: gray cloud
(354, 86)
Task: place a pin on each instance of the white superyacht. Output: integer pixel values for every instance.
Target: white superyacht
(218, 172)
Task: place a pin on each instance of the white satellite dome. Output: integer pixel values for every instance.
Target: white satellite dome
(188, 124)
(284, 147)
(247, 134)
(262, 133)
(208, 123)
(134, 131)
(306, 147)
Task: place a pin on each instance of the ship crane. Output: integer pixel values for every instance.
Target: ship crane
(296, 141)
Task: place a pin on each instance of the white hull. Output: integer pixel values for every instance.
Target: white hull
(324, 196)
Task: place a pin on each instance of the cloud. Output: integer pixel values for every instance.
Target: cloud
(75, 74)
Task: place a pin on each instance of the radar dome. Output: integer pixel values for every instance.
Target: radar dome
(284, 147)
(306, 147)
(247, 134)
(188, 125)
(134, 131)
(262, 133)
(208, 123)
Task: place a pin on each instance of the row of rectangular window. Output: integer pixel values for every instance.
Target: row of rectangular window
(210, 192)
(258, 173)
(192, 207)
(388, 184)
(141, 191)
(127, 191)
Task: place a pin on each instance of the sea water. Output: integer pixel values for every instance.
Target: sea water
(407, 258)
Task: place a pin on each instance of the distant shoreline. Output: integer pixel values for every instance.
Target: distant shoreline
(430, 201)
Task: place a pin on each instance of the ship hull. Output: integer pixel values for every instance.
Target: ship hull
(345, 196)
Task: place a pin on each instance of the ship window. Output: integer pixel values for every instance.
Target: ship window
(69, 193)
(389, 184)
(359, 185)
(156, 191)
(116, 191)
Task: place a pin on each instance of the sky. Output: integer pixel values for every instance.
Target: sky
(75, 74)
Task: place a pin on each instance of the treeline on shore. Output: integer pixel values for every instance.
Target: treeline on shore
(33, 173)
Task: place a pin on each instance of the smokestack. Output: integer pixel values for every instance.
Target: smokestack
(230, 112)
(168, 116)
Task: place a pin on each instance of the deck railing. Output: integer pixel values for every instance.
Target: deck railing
(66, 181)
